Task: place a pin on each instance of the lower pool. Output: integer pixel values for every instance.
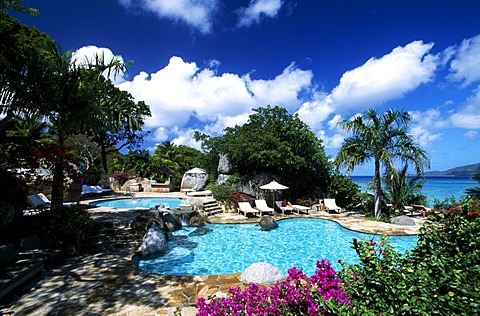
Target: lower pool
(230, 248)
(146, 202)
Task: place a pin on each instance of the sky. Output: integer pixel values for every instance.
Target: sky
(203, 65)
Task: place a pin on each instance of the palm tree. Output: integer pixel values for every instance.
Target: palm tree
(383, 138)
(475, 191)
(400, 188)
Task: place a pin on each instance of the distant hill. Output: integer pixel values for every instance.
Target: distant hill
(463, 171)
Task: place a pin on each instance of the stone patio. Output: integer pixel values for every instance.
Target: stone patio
(109, 284)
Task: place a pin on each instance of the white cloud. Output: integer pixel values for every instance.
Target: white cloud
(471, 135)
(465, 67)
(387, 78)
(196, 13)
(316, 111)
(333, 142)
(182, 90)
(258, 9)
(468, 116)
(92, 54)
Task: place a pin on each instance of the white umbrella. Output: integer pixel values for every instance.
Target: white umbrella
(273, 186)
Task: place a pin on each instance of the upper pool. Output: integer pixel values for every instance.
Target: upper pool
(147, 202)
(231, 248)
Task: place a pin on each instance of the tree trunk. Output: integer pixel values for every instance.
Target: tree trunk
(378, 190)
(103, 154)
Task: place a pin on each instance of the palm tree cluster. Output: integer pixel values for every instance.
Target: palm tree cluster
(383, 138)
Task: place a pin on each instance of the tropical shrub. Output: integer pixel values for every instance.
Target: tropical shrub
(298, 295)
(345, 191)
(439, 276)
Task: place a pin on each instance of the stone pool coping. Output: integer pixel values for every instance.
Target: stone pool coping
(109, 284)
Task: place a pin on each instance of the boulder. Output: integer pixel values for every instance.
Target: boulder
(171, 220)
(402, 220)
(222, 178)
(267, 223)
(200, 231)
(224, 165)
(262, 273)
(196, 221)
(154, 243)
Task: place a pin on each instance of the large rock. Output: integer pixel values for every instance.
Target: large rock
(402, 220)
(196, 221)
(222, 178)
(154, 243)
(262, 273)
(200, 231)
(268, 223)
(171, 220)
(224, 165)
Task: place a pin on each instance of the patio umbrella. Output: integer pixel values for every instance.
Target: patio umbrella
(273, 186)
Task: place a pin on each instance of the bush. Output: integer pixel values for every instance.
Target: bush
(440, 275)
(299, 295)
(221, 192)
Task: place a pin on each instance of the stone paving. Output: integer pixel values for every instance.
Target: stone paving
(109, 284)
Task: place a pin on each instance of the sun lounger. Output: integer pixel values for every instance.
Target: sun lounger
(262, 206)
(331, 206)
(300, 208)
(246, 208)
(283, 209)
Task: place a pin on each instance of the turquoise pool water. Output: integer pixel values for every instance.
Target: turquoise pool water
(149, 202)
(232, 248)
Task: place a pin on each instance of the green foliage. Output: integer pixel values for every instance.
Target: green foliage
(475, 191)
(398, 187)
(275, 142)
(345, 191)
(439, 276)
(383, 138)
(221, 192)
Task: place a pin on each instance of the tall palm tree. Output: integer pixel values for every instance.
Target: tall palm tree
(383, 138)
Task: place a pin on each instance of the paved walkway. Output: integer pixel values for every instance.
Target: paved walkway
(109, 284)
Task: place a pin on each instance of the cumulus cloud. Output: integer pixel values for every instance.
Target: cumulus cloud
(258, 9)
(468, 116)
(387, 78)
(181, 90)
(195, 13)
(465, 65)
(94, 54)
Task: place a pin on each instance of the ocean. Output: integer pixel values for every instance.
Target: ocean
(434, 187)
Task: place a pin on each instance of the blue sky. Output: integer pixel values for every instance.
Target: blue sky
(204, 64)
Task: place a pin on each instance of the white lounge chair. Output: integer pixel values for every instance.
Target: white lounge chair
(300, 208)
(284, 209)
(331, 206)
(246, 208)
(40, 201)
(262, 206)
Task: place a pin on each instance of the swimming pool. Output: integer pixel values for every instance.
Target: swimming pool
(231, 248)
(143, 203)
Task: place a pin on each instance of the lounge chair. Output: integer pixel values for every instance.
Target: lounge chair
(246, 208)
(262, 206)
(40, 202)
(283, 209)
(300, 208)
(331, 206)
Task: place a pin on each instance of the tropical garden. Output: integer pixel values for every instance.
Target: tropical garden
(69, 119)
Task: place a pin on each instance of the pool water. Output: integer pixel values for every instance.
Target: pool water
(231, 248)
(144, 203)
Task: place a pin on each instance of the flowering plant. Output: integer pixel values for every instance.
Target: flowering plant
(298, 295)
(305, 201)
(119, 178)
(237, 197)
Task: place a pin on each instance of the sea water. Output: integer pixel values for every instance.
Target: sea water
(434, 188)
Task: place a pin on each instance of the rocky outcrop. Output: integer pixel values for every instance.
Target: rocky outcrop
(171, 220)
(154, 243)
(402, 220)
(267, 223)
(262, 273)
(196, 221)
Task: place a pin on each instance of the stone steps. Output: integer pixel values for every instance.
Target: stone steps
(107, 235)
(211, 207)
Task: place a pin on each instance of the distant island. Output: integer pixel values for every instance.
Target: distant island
(463, 171)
